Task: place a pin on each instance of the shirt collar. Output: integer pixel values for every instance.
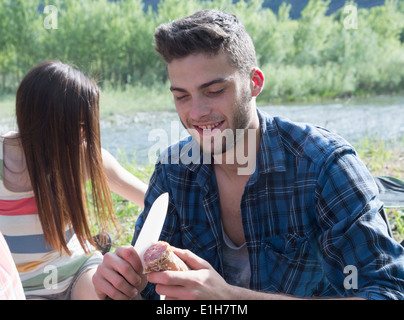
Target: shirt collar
(271, 154)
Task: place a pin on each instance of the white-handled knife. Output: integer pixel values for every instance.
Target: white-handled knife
(150, 232)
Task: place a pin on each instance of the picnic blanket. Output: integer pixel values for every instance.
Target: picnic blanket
(391, 191)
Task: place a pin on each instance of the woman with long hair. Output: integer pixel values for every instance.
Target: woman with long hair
(44, 169)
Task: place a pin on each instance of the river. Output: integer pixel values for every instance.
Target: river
(380, 117)
(136, 135)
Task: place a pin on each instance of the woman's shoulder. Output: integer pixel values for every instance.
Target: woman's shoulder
(11, 146)
(10, 138)
(14, 172)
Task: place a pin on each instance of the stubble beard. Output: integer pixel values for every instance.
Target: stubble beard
(219, 144)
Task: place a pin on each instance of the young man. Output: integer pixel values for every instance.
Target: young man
(270, 209)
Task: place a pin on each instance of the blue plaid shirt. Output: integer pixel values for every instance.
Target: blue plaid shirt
(310, 213)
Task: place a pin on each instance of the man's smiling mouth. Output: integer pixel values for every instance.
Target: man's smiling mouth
(209, 127)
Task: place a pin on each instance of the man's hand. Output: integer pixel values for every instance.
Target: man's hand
(120, 276)
(201, 282)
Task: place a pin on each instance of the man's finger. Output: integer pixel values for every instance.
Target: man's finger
(104, 280)
(117, 276)
(171, 292)
(192, 260)
(129, 254)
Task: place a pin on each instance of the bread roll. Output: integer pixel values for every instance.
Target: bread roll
(160, 257)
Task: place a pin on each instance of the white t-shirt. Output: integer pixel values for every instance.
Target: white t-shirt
(236, 263)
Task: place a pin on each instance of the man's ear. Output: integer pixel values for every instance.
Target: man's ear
(257, 81)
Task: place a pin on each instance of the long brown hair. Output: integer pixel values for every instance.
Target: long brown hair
(57, 109)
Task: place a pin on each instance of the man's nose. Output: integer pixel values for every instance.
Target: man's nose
(199, 108)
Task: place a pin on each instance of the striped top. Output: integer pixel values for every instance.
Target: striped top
(43, 270)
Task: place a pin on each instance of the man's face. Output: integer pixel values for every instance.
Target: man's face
(211, 98)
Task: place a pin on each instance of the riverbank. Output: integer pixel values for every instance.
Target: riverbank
(157, 97)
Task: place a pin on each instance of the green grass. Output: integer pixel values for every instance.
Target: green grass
(386, 159)
(140, 98)
(396, 217)
(128, 100)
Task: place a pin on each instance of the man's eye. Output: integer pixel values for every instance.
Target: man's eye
(216, 92)
(180, 97)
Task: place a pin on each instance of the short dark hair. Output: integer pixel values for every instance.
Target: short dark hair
(209, 32)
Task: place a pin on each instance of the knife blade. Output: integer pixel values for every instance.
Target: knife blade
(150, 232)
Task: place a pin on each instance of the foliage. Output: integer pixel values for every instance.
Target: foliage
(316, 55)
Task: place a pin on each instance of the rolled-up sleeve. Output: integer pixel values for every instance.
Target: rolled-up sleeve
(359, 257)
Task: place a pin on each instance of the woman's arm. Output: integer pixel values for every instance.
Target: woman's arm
(122, 181)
